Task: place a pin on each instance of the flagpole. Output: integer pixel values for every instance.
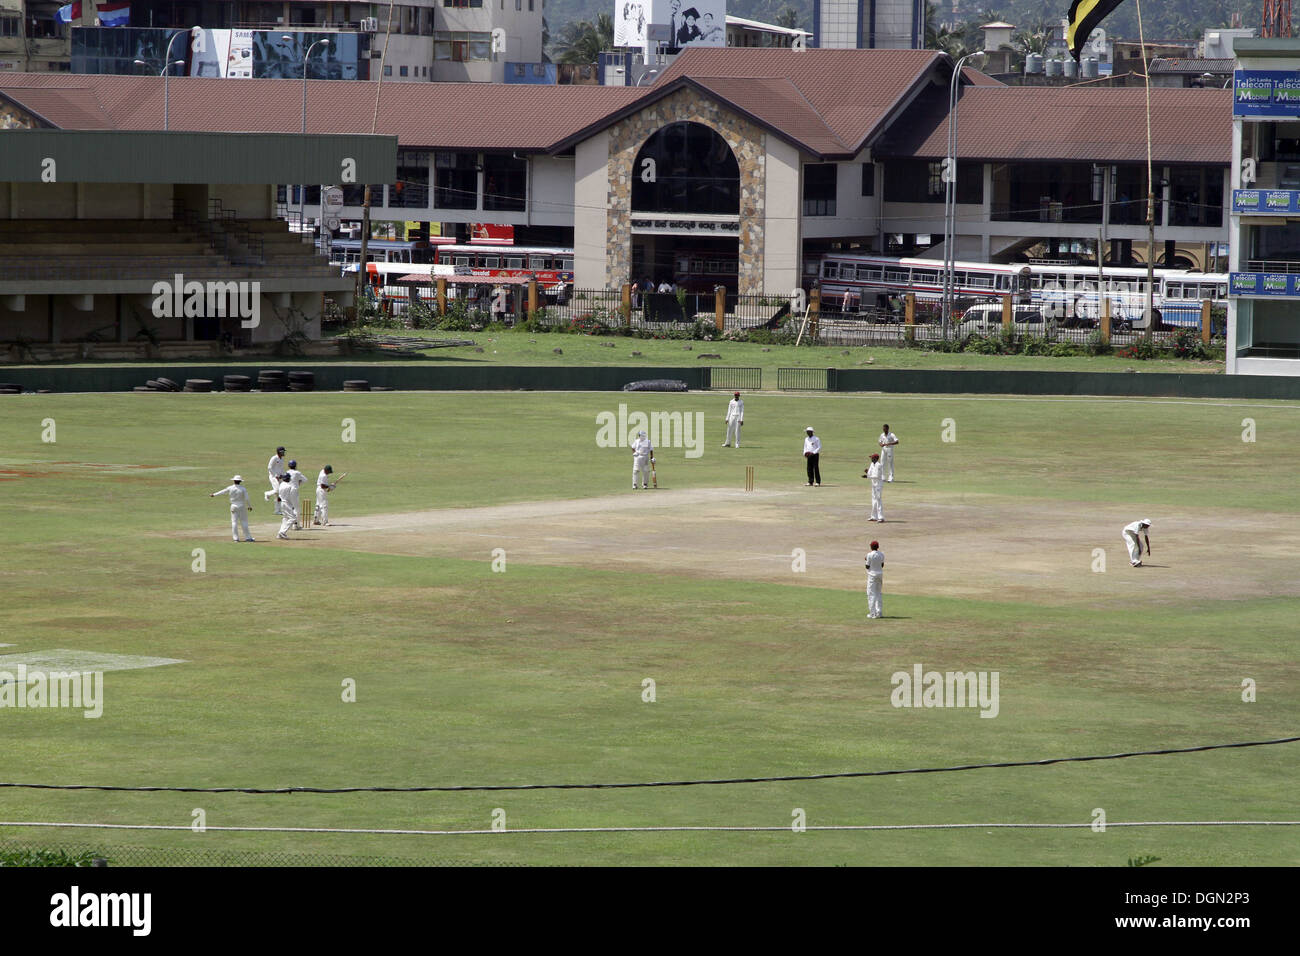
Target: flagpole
(1151, 188)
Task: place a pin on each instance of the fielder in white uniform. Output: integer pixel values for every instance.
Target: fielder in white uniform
(238, 507)
(812, 453)
(323, 487)
(642, 455)
(284, 497)
(875, 581)
(734, 418)
(887, 442)
(274, 469)
(297, 479)
(1134, 543)
(876, 472)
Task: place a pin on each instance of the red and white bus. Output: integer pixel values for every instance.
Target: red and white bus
(551, 265)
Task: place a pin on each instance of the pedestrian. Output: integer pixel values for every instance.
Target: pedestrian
(1134, 544)
(875, 581)
(876, 472)
(284, 501)
(734, 418)
(812, 452)
(887, 442)
(642, 456)
(238, 507)
(296, 480)
(274, 469)
(323, 487)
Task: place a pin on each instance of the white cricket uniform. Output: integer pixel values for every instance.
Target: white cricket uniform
(238, 510)
(877, 475)
(875, 584)
(322, 499)
(274, 469)
(288, 509)
(887, 442)
(296, 480)
(735, 418)
(642, 452)
(1133, 540)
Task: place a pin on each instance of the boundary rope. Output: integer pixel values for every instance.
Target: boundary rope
(789, 778)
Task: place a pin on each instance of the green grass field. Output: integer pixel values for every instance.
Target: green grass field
(465, 676)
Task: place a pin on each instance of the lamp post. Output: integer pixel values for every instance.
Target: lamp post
(302, 195)
(163, 73)
(950, 193)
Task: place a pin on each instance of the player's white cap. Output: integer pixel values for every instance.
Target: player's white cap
(808, 429)
(640, 434)
(237, 478)
(1147, 522)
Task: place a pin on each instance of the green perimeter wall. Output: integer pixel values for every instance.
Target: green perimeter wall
(330, 377)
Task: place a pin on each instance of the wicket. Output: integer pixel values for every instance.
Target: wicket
(749, 477)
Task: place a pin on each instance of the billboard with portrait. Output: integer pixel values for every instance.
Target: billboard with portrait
(692, 22)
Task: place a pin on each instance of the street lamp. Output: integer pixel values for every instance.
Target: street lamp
(164, 72)
(950, 193)
(302, 201)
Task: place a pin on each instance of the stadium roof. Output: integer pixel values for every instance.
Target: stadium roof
(1021, 123)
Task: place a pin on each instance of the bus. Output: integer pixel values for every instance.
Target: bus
(1069, 292)
(345, 252)
(552, 265)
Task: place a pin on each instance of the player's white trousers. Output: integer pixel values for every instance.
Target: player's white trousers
(733, 434)
(641, 466)
(275, 490)
(887, 461)
(322, 507)
(290, 516)
(1134, 548)
(875, 601)
(877, 509)
(238, 517)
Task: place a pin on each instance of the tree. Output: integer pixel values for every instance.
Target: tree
(939, 37)
(788, 18)
(584, 40)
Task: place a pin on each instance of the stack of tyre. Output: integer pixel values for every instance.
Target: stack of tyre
(356, 385)
(272, 381)
(10, 388)
(237, 383)
(197, 385)
(158, 384)
(302, 381)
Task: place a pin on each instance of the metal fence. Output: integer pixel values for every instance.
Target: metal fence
(733, 378)
(805, 379)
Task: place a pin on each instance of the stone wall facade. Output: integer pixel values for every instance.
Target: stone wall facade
(747, 144)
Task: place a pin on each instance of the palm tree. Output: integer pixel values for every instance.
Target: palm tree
(583, 41)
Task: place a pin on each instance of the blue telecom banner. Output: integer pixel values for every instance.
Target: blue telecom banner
(1266, 93)
(1264, 283)
(1268, 202)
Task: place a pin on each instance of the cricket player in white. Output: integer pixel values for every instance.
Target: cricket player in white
(875, 581)
(238, 507)
(887, 442)
(323, 487)
(734, 418)
(642, 455)
(296, 479)
(274, 469)
(288, 512)
(1134, 543)
(876, 472)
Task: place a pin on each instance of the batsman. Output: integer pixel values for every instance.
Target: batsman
(323, 487)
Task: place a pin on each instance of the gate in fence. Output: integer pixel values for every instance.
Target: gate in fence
(805, 379)
(733, 378)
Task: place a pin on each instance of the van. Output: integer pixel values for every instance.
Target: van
(987, 319)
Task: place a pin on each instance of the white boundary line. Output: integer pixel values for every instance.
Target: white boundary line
(669, 829)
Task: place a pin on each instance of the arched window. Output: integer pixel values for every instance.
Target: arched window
(693, 171)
